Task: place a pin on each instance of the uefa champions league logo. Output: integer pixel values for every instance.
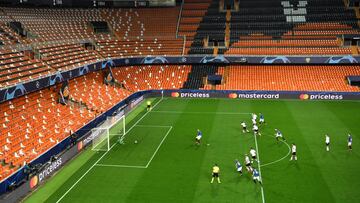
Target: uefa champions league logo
(343, 59)
(277, 59)
(10, 93)
(83, 70)
(212, 59)
(55, 78)
(153, 60)
(107, 63)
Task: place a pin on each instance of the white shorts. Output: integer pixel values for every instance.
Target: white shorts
(278, 135)
(239, 169)
(261, 120)
(349, 143)
(256, 178)
(198, 138)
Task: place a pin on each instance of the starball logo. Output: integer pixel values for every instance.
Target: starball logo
(321, 97)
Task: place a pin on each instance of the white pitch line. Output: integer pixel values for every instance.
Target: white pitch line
(102, 157)
(282, 158)
(157, 149)
(154, 126)
(201, 112)
(258, 156)
(119, 166)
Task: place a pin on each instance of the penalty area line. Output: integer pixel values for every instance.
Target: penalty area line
(202, 112)
(154, 126)
(157, 149)
(119, 166)
(102, 156)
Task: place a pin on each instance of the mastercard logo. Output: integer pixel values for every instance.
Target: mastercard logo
(33, 182)
(232, 95)
(175, 94)
(304, 96)
(80, 146)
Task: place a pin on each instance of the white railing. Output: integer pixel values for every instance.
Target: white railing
(184, 45)
(179, 19)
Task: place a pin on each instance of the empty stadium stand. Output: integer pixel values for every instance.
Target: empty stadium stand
(17, 67)
(141, 32)
(32, 124)
(275, 27)
(287, 78)
(152, 77)
(67, 56)
(191, 16)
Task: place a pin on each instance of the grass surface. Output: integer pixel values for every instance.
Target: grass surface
(166, 166)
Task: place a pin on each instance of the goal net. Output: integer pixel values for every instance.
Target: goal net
(108, 133)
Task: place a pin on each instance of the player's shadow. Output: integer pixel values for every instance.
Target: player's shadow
(294, 163)
(194, 146)
(350, 154)
(329, 154)
(214, 187)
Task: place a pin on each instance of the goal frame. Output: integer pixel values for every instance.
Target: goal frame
(108, 136)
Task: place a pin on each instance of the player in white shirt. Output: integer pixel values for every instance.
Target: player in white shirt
(349, 142)
(256, 130)
(253, 154)
(253, 121)
(248, 163)
(327, 142)
(253, 116)
(244, 127)
(293, 152)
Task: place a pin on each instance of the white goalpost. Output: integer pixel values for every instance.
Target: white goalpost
(109, 132)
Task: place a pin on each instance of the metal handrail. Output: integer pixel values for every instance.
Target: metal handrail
(179, 18)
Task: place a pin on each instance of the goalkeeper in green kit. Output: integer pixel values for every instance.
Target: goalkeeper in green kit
(148, 108)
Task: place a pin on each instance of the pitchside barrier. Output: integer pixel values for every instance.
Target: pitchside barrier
(65, 151)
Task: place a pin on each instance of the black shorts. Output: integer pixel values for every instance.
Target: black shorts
(244, 128)
(249, 164)
(253, 157)
(148, 106)
(256, 131)
(215, 175)
(294, 153)
(327, 144)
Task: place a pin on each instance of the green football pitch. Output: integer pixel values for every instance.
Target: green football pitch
(166, 165)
